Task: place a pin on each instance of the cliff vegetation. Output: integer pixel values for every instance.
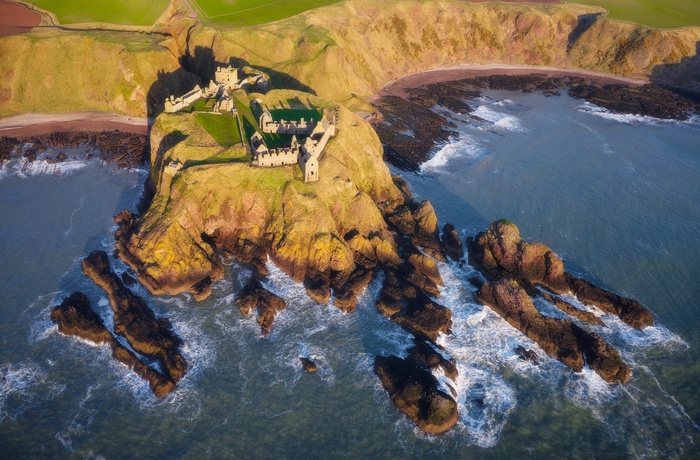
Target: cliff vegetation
(344, 52)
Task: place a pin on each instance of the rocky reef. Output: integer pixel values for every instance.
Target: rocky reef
(500, 252)
(413, 128)
(75, 318)
(518, 270)
(134, 320)
(559, 338)
(126, 150)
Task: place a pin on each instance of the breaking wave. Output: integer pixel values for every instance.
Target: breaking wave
(25, 168)
(464, 147)
(498, 121)
(632, 119)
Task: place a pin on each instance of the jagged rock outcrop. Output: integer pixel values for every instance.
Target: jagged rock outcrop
(308, 365)
(254, 297)
(416, 392)
(501, 252)
(134, 320)
(559, 338)
(74, 317)
(408, 305)
(126, 150)
(452, 243)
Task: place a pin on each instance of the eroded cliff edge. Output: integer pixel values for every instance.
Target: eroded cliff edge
(344, 52)
(219, 204)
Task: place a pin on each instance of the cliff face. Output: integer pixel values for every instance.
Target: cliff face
(344, 52)
(357, 47)
(218, 198)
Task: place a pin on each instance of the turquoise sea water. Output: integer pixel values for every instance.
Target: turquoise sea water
(617, 197)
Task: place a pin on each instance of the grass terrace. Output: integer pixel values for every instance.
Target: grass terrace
(223, 128)
(652, 13)
(241, 13)
(132, 12)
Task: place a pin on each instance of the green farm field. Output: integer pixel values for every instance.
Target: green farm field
(241, 13)
(133, 12)
(652, 13)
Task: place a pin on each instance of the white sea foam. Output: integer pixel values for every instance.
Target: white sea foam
(464, 147)
(24, 168)
(499, 121)
(633, 119)
(22, 386)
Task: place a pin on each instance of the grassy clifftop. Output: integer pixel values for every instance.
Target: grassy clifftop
(344, 52)
(358, 46)
(218, 195)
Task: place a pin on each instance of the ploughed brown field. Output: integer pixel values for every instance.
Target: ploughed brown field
(16, 19)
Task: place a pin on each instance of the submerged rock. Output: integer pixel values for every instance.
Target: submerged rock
(526, 355)
(254, 297)
(134, 320)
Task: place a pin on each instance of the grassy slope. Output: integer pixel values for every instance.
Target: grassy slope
(348, 51)
(252, 12)
(234, 200)
(652, 13)
(132, 12)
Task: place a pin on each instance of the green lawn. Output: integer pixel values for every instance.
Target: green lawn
(653, 13)
(132, 12)
(296, 114)
(252, 12)
(223, 128)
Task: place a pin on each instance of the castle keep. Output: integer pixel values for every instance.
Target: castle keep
(306, 155)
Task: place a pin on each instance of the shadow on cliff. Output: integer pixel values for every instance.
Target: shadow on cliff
(278, 80)
(585, 21)
(683, 78)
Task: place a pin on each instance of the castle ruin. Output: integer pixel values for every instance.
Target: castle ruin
(306, 155)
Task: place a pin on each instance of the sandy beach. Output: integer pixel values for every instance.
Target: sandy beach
(32, 124)
(443, 74)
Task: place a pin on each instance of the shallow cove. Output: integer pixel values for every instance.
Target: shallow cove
(618, 201)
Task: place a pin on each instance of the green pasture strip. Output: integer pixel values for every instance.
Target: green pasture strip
(253, 12)
(132, 12)
(223, 128)
(652, 13)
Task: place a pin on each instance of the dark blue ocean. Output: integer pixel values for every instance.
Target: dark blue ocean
(617, 197)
